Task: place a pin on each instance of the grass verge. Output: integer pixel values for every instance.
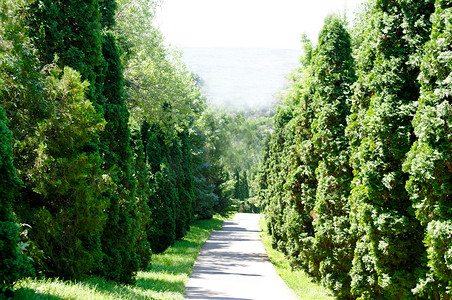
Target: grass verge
(297, 280)
(165, 278)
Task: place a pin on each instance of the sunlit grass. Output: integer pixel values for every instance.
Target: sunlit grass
(297, 280)
(165, 278)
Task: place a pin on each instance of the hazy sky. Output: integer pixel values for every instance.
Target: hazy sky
(246, 23)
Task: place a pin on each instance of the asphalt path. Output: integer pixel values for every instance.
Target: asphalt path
(233, 265)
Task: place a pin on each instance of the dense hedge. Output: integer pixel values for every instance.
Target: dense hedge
(355, 181)
(98, 194)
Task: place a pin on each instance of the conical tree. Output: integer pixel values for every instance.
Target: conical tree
(120, 236)
(141, 175)
(389, 247)
(162, 232)
(245, 186)
(429, 161)
(334, 74)
(301, 182)
(180, 213)
(186, 182)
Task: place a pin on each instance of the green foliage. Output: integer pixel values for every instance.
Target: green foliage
(164, 279)
(334, 75)
(159, 85)
(53, 125)
(72, 31)
(186, 182)
(142, 196)
(120, 236)
(163, 195)
(14, 263)
(429, 160)
(61, 176)
(287, 179)
(97, 200)
(107, 10)
(241, 187)
(295, 279)
(388, 254)
(163, 231)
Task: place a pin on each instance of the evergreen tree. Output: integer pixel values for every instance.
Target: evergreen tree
(63, 183)
(204, 173)
(429, 160)
(119, 239)
(301, 182)
(53, 124)
(162, 232)
(14, 264)
(238, 186)
(178, 177)
(334, 75)
(141, 175)
(276, 202)
(389, 248)
(245, 186)
(70, 30)
(187, 184)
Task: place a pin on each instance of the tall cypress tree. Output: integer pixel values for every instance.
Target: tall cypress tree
(389, 247)
(334, 75)
(187, 194)
(429, 161)
(238, 186)
(301, 182)
(120, 236)
(119, 239)
(162, 232)
(141, 175)
(177, 178)
(245, 186)
(276, 202)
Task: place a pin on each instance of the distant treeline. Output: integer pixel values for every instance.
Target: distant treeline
(356, 179)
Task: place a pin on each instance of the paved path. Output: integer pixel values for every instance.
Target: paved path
(233, 265)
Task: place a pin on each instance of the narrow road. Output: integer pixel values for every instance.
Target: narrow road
(233, 265)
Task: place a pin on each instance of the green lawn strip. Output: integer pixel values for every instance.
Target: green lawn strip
(165, 278)
(297, 280)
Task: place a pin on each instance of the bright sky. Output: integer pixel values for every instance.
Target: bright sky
(246, 23)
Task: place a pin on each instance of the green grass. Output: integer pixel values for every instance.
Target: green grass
(297, 280)
(165, 278)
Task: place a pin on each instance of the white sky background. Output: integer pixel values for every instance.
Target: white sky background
(246, 23)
